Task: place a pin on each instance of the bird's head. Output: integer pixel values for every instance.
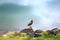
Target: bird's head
(31, 20)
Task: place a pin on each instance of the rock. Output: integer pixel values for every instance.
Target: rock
(28, 30)
(37, 35)
(53, 31)
(38, 31)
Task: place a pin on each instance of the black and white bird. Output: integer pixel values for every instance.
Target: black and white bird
(30, 23)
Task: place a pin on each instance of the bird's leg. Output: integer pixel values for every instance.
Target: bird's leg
(30, 26)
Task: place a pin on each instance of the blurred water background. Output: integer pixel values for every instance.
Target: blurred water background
(16, 14)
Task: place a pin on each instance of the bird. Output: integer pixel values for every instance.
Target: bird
(30, 23)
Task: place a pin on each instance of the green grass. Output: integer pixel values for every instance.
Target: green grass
(37, 38)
